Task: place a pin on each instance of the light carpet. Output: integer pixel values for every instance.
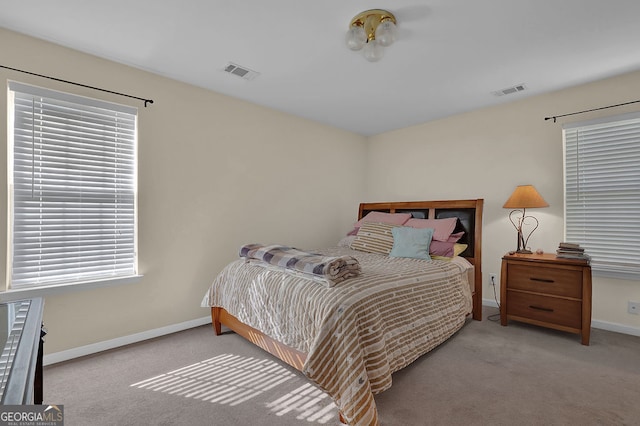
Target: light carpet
(486, 374)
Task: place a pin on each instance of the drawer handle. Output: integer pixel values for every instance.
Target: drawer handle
(540, 308)
(542, 280)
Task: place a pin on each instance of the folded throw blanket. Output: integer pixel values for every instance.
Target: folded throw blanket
(331, 269)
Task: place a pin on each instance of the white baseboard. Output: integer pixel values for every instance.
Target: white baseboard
(150, 334)
(122, 341)
(618, 328)
(602, 325)
(489, 302)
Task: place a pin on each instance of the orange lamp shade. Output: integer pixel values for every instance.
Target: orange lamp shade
(525, 197)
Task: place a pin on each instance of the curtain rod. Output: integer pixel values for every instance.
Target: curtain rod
(146, 101)
(554, 117)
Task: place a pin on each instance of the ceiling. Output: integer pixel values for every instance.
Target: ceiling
(449, 57)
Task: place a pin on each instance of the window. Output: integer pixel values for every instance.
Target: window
(72, 177)
(602, 193)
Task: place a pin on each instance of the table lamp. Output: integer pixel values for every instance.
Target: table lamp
(524, 197)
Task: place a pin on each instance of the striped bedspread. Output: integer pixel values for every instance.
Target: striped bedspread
(357, 333)
(328, 270)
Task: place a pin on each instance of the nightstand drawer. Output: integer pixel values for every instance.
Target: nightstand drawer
(547, 309)
(554, 281)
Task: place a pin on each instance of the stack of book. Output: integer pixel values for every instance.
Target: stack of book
(572, 251)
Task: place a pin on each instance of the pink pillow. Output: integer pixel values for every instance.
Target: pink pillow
(454, 238)
(445, 249)
(381, 217)
(442, 228)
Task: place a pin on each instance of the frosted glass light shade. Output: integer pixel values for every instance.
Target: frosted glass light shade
(386, 33)
(356, 38)
(373, 51)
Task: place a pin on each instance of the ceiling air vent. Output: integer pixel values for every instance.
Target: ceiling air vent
(241, 71)
(510, 90)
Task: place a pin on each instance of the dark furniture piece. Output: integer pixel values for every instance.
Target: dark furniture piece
(21, 336)
(544, 290)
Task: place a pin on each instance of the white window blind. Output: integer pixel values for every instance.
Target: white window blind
(602, 193)
(73, 188)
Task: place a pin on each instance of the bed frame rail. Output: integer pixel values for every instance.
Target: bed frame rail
(289, 355)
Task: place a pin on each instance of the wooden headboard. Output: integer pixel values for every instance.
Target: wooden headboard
(469, 213)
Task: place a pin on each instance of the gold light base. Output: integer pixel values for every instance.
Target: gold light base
(370, 19)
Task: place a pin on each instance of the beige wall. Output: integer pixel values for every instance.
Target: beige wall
(214, 173)
(485, 154)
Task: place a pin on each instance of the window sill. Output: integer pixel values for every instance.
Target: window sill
(31, 292)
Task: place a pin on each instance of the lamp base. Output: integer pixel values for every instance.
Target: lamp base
(524, 251)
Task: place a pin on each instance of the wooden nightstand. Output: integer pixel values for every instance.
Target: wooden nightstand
(544, 290)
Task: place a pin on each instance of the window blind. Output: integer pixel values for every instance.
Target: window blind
(602, 193)
(73, 188)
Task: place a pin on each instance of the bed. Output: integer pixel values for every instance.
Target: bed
(349, 338)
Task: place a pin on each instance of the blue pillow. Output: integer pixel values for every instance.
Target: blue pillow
(411, 242)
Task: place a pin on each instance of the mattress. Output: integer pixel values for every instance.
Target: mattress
(357, 333)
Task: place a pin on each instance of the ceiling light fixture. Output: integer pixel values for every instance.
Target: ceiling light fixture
(371, 31)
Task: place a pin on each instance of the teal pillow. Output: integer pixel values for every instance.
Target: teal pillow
(411, 242)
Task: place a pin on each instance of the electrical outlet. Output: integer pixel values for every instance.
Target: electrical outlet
(633, 307)
(493, 279)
